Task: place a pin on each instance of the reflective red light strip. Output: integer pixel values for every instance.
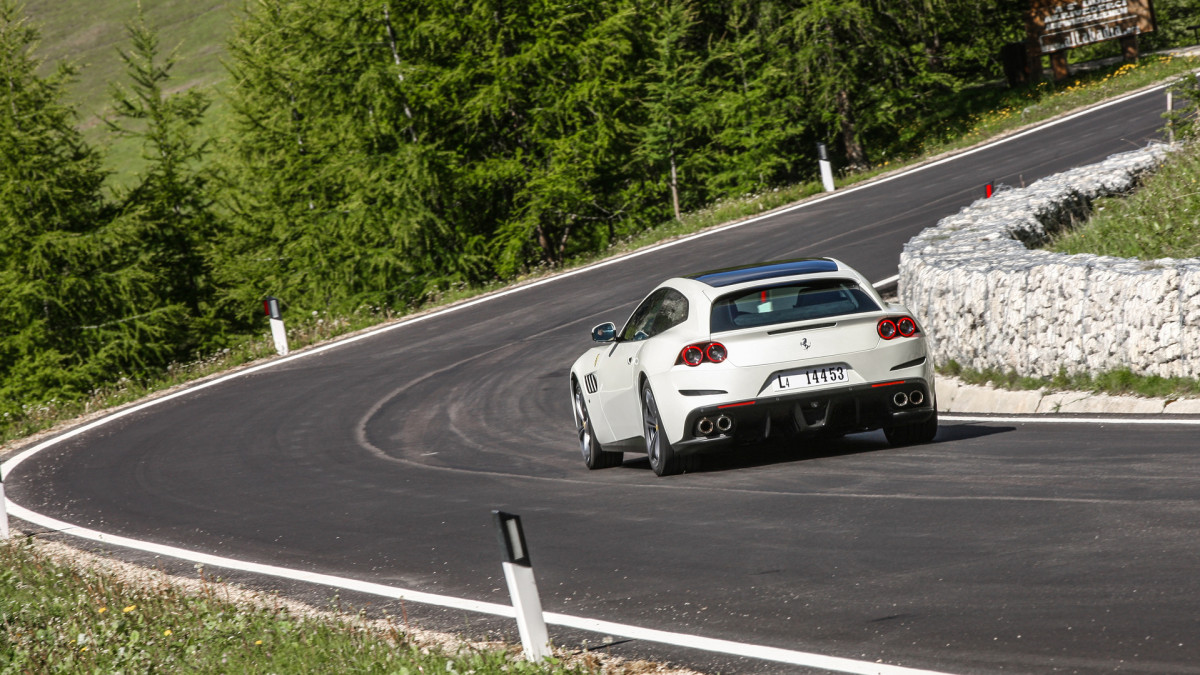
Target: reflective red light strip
(735, 405)
(888, 384)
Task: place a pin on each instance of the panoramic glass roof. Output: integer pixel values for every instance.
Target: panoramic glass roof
(783, 268)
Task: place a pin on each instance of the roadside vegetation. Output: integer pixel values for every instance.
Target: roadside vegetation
(1116, 383)
(371, 190)
(60, 618)
(1160, 220)
(361, 168)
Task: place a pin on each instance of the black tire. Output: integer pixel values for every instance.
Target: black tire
(594, 456)
(913, 434)
(663, 458)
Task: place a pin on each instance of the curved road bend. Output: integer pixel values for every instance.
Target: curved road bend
(1004, 546)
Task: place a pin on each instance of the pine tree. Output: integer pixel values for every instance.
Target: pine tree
(860, 70)
(166, 217)
(341, 187)
(757, 115)
(573, 65)
(51, 282)
(673, 93)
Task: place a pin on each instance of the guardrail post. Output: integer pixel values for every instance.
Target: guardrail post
(826, 167)
(278, 333)
(518, 571)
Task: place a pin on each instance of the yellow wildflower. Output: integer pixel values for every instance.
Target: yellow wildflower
(129, 609)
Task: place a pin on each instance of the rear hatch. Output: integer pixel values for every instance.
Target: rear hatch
(799, 319)
(821, 340)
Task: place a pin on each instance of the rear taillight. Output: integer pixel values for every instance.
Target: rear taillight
(715, 352)
(902, 326)
(695, 354)
(887, 329)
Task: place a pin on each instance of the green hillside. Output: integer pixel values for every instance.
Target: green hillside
(88, 34)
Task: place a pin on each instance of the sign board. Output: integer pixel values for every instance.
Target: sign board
(1056, 25)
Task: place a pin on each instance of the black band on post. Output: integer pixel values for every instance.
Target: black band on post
(512, 538)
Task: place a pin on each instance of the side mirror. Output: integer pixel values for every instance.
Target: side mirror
(605, 332)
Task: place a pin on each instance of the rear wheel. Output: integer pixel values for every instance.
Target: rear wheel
(595, 456)
(913, 434)
(663, 458)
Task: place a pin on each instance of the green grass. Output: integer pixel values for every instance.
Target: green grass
(196, 29)
(1116, 383)
(1160, 220)
(302, 332)
(57, 618)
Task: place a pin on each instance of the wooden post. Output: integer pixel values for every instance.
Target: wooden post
(1129, 47)
(1058, 64)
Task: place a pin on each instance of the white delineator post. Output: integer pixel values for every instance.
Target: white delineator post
(1170, 109)
(826, 167)
(3, 514)
(271, 306)
(518, 572)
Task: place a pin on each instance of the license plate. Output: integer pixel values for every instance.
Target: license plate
(812, 377)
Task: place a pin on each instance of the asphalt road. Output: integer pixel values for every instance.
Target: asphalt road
(1004, 546)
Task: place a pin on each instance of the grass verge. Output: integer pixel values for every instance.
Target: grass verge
(1114, 383)
(58, 617)
(1160, 220)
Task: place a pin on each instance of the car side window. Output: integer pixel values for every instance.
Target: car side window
(640, 325)
(672, 312)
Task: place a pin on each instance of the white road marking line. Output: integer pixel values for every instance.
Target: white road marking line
(832, 663)
(25, 514)
(1051, 419)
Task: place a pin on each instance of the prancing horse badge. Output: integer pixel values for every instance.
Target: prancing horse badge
(805, 343)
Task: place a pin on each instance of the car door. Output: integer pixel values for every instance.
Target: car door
(618, 368)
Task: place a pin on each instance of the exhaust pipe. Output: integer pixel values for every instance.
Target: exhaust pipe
(916, 397)
(704, 427)
(724, 424)
(900, 399)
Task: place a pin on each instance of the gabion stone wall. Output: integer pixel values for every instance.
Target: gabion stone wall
(989, 301)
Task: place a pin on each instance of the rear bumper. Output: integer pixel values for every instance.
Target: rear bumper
(850, 409)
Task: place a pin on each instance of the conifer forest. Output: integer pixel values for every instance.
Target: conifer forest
(378, 152)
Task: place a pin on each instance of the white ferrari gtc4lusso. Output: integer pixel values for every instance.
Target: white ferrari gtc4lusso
(802, 348)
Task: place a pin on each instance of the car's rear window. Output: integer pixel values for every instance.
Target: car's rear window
(797, 301)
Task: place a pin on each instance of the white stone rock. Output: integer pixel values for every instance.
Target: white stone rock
(990, 302)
